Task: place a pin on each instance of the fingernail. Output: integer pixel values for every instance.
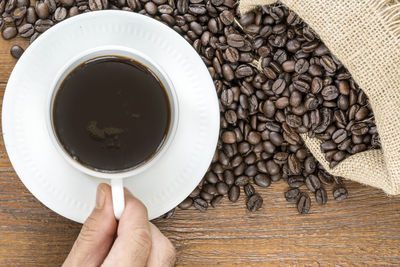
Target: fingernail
(100, 196)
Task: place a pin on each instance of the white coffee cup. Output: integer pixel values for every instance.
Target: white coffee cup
(115, 177)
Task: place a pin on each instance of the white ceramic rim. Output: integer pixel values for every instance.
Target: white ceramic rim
(128, 53)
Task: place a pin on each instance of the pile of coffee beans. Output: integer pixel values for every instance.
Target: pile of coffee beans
(275, 80)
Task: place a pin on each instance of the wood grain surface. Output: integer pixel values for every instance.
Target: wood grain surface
(362, 230)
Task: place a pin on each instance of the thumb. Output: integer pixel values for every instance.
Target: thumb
(97, 233)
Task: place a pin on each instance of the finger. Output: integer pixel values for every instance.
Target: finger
(97, 233)
(162, 251)
(133, 243)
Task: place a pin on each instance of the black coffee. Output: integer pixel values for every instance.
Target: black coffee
(111, 113)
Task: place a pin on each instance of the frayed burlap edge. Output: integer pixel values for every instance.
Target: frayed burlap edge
(365, 36)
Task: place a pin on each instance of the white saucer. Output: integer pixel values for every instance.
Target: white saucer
(41, 168)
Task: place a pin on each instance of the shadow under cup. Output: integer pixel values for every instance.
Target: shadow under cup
(116, 175)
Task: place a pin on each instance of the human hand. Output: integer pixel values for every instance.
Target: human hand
(133, 241)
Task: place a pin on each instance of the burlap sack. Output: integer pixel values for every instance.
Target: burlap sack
(365, 36)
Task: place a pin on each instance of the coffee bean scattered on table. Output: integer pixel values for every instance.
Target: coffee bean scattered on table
(16, 51)
(300, 87)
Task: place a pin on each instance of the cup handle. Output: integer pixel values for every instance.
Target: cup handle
(117, 188)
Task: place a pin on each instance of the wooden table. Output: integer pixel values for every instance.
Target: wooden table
(364, 229)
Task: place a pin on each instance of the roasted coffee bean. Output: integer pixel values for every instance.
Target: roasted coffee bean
(200, 204)
(234, 193)
(320, 196)
(222, 188)
(9, 32)
(339, 193)
(43, 25)
(296, 181)
(254, 202)
(232, 54)
(60, 14)
(330, 92)
(187, 203)
(313, 183)
(67, 3)
(294, 164)
(16, 51)
(169, 214)
(293, 195)
(262, 180)
(226, 17)
(304, 203)
(235, 40)
(301, 66)
(242, 180)
(249, 190)
(42, 10)
(19, 13)
(26, 30)
(216, 200)
(211, 177)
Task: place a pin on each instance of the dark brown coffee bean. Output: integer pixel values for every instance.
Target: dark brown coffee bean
(254, 138)
(211, 177)
(216, 200)
(243, 71)
(42, 10)
(340, 193)
(186, 204)
(73, 11)
(262, 180)
(310, 164)
(320, 196)
(302, 86)
(328, 64)
(210, 189)
(26, 30)
(16, 51)
(295, 181)
(222, 188)
(278, 86)
(227, 72)
(234, 193)
(313, 183)
(289, 66)
(293, 195)
(294, 164)
(293, 121)
(43, 25)
(60, 14)
(330, 92)
(232, 54)
(249, 190)
(339, 136)
(169, 214)
(195, 192)
(235, 40)
(9, 32)
(242, 180)
(19, 13)
(197, 9)
(10, 5)
(301, 66)
(254, 202)
(276, 138)
(227, 97)
(304, 203)
(359, 128)
(200, 204)
(226, 17)
(67, 3)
